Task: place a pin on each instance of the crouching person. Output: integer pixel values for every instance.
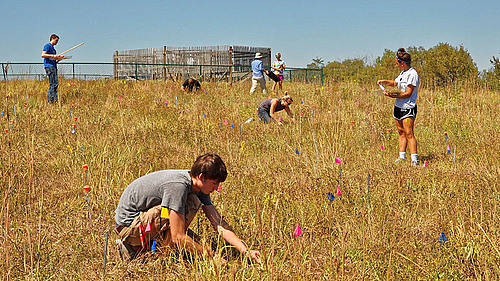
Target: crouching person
(165, 202)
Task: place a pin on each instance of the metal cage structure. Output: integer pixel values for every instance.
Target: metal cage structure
(208, 63)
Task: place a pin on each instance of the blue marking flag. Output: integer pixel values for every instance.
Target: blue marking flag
(153, 246)
(232, 126)
(330, 196)
(297, 151)
(442, 238)
(204, 116)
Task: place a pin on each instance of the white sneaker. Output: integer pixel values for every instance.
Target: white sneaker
(126, 251)
(414, 162)
(399, 160)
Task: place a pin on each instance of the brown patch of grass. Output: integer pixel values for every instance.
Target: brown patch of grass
(390, 232)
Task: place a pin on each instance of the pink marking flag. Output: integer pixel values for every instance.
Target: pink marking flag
(148, 227)
(219, 188)
(448, 148)
(297, 231)
(338, 190)
(337, 160)
(382, 147)
(225, 122)
(425, 164)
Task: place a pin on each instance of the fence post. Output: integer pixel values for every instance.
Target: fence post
(3, 71)
(115, 66)
(305, 75)
(322, 76)
(231, 65)
(136, 71)
(73, 70)
(164, 63)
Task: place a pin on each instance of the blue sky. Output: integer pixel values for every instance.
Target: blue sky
(300, 30)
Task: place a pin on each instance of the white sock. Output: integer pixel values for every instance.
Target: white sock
(414, 157)
(402, 155)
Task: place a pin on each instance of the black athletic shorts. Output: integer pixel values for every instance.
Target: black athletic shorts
(400, 113)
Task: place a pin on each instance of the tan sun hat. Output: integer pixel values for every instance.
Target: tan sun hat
(258, 55)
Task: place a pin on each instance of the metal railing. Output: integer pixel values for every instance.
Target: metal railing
(145, 71)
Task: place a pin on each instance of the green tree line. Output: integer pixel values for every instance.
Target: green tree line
(440, 66)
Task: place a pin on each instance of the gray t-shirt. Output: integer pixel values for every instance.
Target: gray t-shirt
(169, 188)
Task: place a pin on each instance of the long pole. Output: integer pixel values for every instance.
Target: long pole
(105, 253)
(71, 49)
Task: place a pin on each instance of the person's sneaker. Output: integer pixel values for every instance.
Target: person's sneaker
(399, 160)
(414, 162)
(126, 251)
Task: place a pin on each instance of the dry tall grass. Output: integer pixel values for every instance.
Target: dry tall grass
(124, 130)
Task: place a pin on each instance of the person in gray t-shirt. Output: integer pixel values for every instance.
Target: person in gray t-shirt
(163, 204)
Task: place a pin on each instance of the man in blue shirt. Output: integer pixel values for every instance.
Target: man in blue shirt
(50, 60)
(258, 74)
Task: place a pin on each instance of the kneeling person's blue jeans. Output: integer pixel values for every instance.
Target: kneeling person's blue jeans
(264, 115)
(53, 84)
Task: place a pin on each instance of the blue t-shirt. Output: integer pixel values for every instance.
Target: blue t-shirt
(257, 68)
(52, 51)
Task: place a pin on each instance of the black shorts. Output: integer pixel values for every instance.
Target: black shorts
(400, 113)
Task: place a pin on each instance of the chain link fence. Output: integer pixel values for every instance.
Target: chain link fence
(148, 71)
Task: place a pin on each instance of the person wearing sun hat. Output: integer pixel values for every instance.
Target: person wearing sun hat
(258, 74)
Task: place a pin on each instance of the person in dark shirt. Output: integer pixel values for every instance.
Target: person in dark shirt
(190, 85)
(268, 107)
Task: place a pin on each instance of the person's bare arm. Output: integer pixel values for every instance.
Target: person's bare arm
(289, 112)
(181, 239)
(390, 83)
(401, 95)
(225, 230)
(55, 57)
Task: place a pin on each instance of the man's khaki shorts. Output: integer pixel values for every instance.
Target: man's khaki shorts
(130, 234)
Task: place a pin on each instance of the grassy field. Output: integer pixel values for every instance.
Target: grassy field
(385, 224)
